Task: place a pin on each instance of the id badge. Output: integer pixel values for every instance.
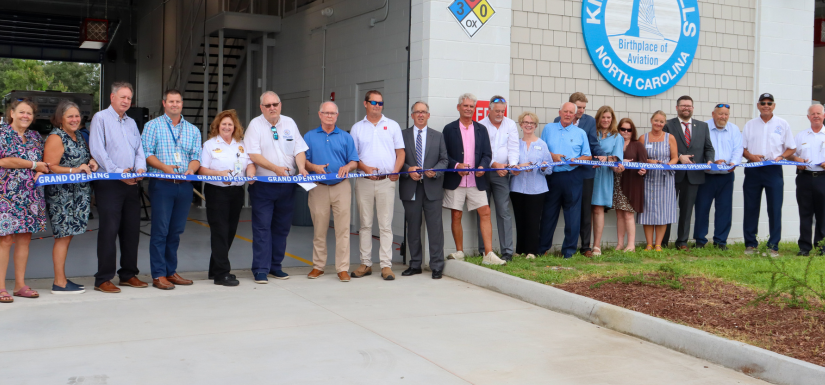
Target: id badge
(177, 157)
(238, 168)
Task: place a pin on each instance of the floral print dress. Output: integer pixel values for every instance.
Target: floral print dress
(22, 206)
(69, 204)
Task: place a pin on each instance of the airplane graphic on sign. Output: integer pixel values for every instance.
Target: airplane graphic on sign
(471, 14)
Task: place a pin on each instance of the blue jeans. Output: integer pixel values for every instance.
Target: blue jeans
(770, 179)
(170, 209)
(565, 194)
(718, 187)
(272, 207)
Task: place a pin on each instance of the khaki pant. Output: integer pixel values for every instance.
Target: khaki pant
(339, 198)
(376, 195)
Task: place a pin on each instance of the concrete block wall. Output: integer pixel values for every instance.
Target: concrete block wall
(746, 47)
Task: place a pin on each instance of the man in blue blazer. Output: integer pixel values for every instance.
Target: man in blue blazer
(588, 124)
(468, 146)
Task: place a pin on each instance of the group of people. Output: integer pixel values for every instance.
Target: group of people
(273, 146)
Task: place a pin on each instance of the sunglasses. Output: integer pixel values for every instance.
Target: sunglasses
(626, 129)
(498, 100)
(723, 105)
(765, 103)
(270, 105)
(374, 103)
(274, 132)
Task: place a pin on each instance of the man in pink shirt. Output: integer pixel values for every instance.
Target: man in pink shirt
(468, 146)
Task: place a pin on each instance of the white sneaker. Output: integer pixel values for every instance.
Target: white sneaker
(458, 255)
(531, 256)
(492, 259)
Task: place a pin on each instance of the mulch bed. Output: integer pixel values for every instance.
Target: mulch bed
(720, 308)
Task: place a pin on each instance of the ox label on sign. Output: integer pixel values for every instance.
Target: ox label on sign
(642, 47)
(482, 110)
(471, 14)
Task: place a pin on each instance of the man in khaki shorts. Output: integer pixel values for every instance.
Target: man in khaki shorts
(468, 146)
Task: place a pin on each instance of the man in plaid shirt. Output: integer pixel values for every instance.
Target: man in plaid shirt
(172, 146)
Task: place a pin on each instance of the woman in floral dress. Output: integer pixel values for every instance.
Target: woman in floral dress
(22, 207)
(68, 204)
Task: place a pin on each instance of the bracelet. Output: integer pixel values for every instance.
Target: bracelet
(70, 170)
(34, 165)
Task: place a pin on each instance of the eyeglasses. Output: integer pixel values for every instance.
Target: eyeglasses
(626, 129)
(329, 113)
(374, 103)
(528, 123)
(765, 103)
(498, 100)
(723, 105)
(420, 112)
(270, 105)
(274, 132)
(685, 106)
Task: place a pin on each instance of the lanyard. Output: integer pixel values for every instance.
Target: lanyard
(173, 134)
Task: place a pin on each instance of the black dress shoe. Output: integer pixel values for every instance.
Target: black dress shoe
(227, 280)
(720, 246)
(410, 271)
(802, 254)
(436, 274)
(507, 257)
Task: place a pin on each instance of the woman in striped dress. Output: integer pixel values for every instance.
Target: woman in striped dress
(660, 190)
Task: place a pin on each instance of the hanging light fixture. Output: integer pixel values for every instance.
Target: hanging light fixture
(94, 34)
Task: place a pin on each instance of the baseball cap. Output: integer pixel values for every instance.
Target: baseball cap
(766, 96)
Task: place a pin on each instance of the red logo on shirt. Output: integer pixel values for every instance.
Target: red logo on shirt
(385, 128)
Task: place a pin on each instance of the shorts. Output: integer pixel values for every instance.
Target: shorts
(475, 198)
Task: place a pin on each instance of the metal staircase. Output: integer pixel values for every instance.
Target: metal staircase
(234, 56)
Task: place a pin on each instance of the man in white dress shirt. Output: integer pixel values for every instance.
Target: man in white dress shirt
(504, 139)
(810, 181)
(768, 137)
(276, 147)
(381, 151)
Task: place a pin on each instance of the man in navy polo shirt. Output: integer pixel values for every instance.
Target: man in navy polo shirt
(565, 141)
(331, 150)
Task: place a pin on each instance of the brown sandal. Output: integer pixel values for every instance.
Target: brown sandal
(5, 297)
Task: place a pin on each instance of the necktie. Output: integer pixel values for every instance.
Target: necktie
(687, 133)
(419, 149)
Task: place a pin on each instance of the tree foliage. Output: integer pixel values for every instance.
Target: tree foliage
(36, 75)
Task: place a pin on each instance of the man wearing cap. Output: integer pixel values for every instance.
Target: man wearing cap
(505, 146)
(588, 124)
(718, 186)
(381, 151)
(767, 137)
(810, 181)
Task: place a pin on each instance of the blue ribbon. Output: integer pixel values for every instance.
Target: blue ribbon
(52, 179)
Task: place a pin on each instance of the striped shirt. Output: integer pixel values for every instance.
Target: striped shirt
(163, 139)
(115, 142)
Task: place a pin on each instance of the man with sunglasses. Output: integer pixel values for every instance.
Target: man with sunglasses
(381, 151)
(588, 124)
(718, 186)
(767, 137)
(505, 146)
(694, 146)
(276, 147)
(172, 146)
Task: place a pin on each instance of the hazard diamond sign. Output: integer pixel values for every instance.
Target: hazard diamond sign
(471, 14)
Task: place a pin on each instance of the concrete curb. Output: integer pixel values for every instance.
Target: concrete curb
(753, 361)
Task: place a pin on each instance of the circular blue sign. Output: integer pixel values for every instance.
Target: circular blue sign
(642, 47)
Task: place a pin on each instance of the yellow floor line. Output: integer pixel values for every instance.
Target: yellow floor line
(250, 241)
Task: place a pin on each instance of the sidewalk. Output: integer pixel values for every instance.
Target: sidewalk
(414, 330)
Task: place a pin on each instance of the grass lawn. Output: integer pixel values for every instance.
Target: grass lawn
(731, 265)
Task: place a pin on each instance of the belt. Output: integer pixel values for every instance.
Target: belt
(175, 181)
(811, 173)
(382, 177)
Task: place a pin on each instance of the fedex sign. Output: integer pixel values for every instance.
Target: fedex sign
(482, 110)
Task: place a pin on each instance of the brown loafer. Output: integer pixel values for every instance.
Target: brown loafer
(176, 279)
(108, 287)
(362, 271)
(315, 273)
(134, 282)
(387, 274)
(343, 276)
(588, 254)
(683, 248)
(162, 283)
